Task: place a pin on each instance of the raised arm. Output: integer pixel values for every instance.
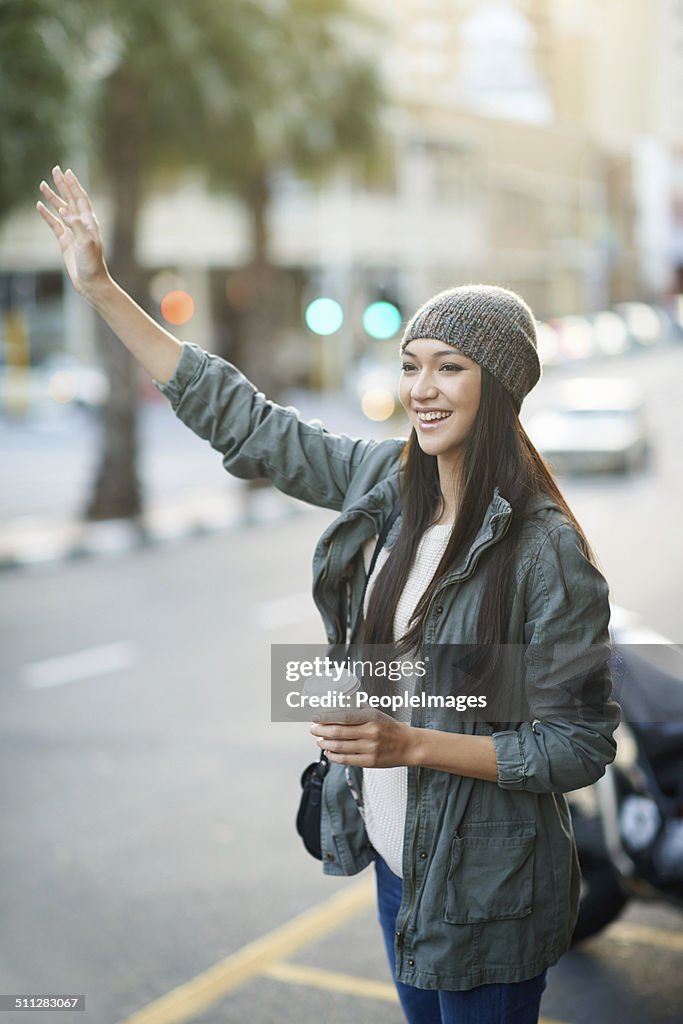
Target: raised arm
(70, 215)
(256, 437)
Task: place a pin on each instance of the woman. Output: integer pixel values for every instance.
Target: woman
(476, 867)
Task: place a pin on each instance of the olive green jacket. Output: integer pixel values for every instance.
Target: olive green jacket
(491, 877)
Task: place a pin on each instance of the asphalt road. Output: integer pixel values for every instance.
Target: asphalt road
(147, 811)
(148, 805)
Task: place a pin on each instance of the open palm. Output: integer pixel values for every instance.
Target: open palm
(71, 218)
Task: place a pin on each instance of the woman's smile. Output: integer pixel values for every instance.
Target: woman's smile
(429, 419)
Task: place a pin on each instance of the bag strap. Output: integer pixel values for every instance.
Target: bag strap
(384, 533)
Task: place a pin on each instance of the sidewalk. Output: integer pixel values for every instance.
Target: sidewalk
(48, 460)
(33, 540)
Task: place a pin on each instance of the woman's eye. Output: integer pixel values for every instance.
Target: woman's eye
(407, 367)
(451, 366)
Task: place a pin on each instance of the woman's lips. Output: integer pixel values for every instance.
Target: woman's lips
(432, 420)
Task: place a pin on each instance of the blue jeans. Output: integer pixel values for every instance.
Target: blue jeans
(513, 1003)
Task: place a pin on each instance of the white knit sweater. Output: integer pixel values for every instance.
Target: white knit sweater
(385, 790)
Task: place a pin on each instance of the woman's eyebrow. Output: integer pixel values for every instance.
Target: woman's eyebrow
(435, 355)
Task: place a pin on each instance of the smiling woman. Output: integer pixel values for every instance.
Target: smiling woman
(466, 822)
(440, 390)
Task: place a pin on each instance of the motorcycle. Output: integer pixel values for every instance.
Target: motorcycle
(629, 825)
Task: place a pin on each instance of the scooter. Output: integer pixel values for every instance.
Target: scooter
(629, 825)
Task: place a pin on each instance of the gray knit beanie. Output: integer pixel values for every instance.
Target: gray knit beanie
(491, 325)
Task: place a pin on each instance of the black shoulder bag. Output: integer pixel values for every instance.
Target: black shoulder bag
(310, 806)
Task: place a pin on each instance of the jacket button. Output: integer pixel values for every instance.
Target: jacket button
(411, 963)
(329, 855)
(423, 855)
(439, 609)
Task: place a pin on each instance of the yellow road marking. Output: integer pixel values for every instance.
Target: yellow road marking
(314, 977)
(188, 1000)
(332, 981)
(646, 936)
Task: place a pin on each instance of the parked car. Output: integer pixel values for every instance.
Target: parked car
(593, 425)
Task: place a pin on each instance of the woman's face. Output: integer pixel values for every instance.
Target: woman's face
(440, 389)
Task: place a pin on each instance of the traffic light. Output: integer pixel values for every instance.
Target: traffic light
(324, 316)
(382, 319)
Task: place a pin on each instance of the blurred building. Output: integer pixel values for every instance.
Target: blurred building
(532, 143)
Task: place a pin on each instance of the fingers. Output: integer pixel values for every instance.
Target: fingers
(339, 730)
(53, 222)
(55, 201)
(78, 196)
(60, 184)
(343, 717)
(72, 195)
(74, 185)
(72, 206)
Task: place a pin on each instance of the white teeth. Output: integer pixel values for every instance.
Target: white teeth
(428, 416)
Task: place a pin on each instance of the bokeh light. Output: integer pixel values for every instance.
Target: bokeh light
(381, 320)
(62, 386)
(324, 316)
(177, 307)
(610, 333)
(577, 340)
(643, 322)
(378, 404)
(548, 343)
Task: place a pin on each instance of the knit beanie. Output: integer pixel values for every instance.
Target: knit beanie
(491, 325)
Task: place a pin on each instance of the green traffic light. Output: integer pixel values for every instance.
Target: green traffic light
(381, 320)
(324, 316)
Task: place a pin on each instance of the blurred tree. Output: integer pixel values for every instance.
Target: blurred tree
(312, 105)
(36, 90)
(166, 70)
(237, 89)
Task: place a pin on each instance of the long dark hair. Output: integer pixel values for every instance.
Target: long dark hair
(497, 453)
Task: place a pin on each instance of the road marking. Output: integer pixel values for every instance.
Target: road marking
(190, 999)
(347, 984)
(643, 935)
(332, 981)
(285, 611)
(85, 664)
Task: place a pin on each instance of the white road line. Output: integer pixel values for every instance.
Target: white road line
(72, 668)
(285, 611)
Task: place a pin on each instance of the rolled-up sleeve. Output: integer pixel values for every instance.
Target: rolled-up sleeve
(257, 437)
(570, 739)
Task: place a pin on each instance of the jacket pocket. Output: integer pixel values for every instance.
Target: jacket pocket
(490, 872)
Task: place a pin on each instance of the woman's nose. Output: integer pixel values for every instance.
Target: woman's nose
(424, 387)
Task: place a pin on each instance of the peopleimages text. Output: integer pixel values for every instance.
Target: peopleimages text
(359, 700)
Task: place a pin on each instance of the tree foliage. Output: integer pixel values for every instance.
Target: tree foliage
(36, 92)
(235, 89)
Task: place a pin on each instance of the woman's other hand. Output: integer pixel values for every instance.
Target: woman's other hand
(373, 741)
(70, 216)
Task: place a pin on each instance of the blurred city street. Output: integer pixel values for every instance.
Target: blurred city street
(631, 519)
(148, 819)
(285, 185)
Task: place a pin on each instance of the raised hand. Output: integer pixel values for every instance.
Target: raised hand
(70, 216)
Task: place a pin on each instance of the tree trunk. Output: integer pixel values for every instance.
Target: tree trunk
(116, 491)
(258, 340)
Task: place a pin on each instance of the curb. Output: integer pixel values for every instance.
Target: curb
(30, 542)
